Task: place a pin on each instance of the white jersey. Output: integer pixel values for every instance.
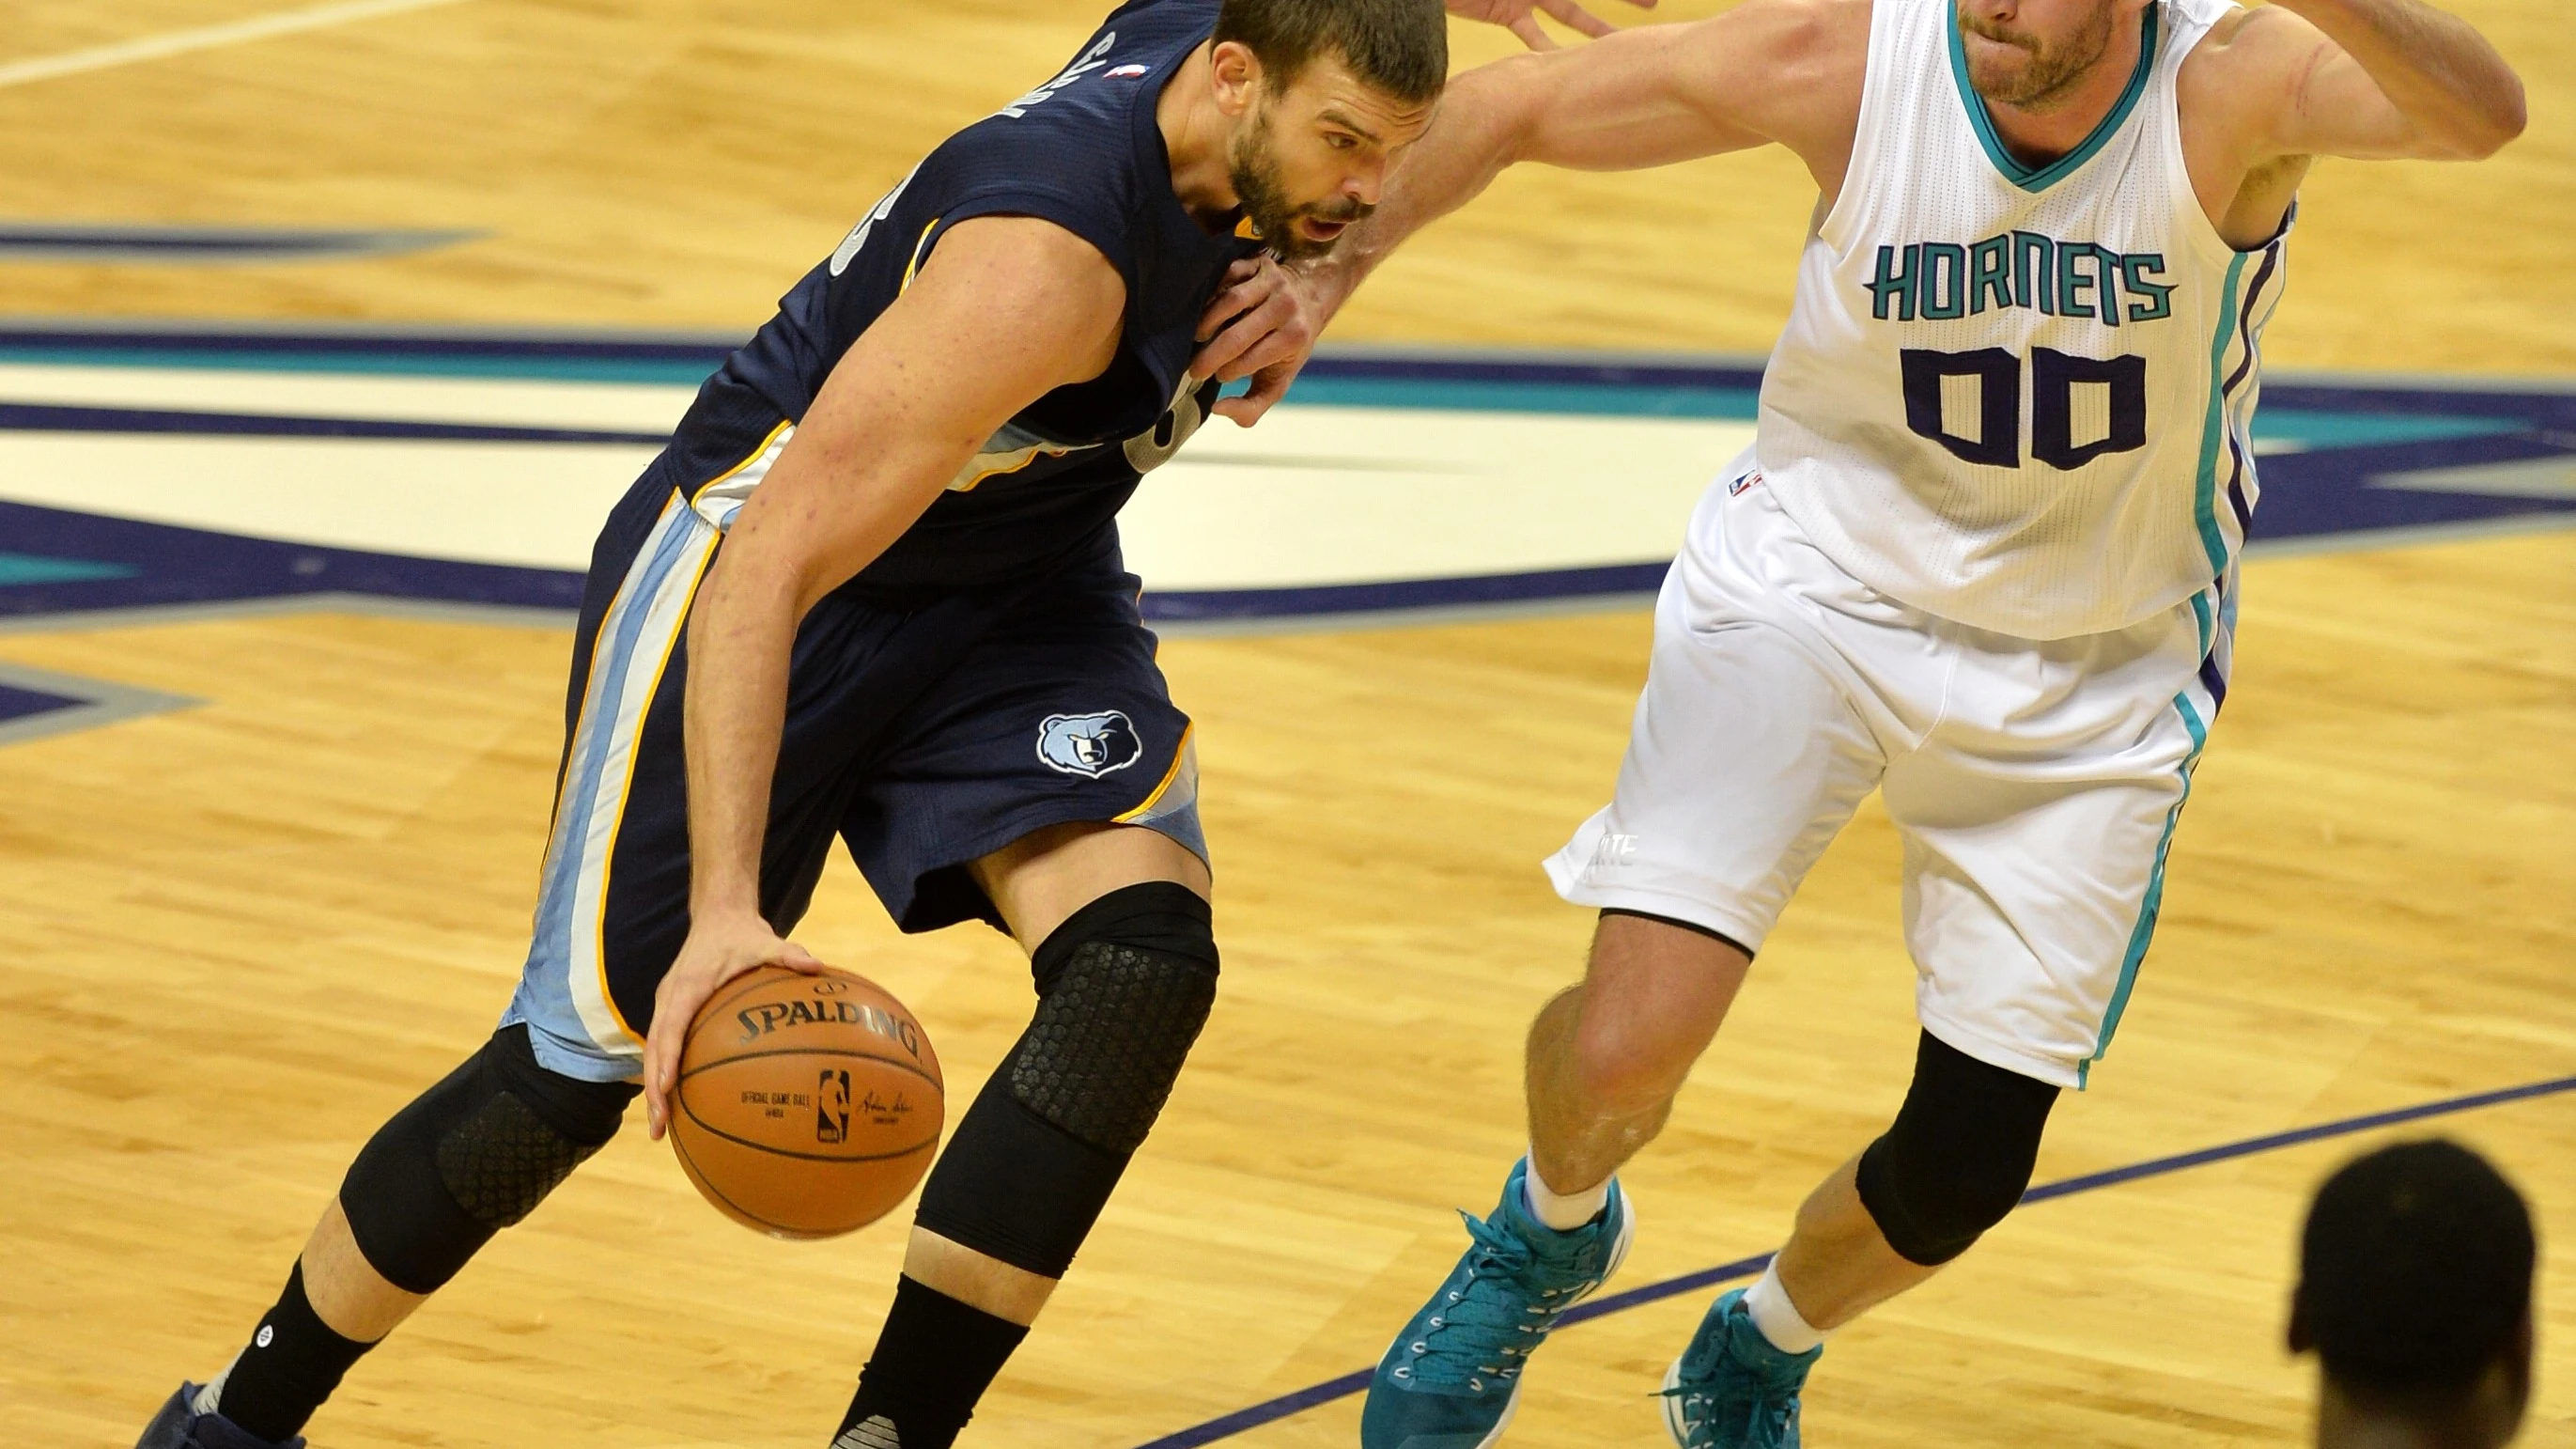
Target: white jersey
(2018, 397)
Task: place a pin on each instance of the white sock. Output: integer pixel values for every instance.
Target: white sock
(1768, 1305)
(1562, 1211)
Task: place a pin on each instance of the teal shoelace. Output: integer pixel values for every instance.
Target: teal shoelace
(1484, 1330)
(1767, 1401)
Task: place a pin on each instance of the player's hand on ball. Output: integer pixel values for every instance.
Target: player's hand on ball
(717, 951)
(1520, 17)
(1262, 325)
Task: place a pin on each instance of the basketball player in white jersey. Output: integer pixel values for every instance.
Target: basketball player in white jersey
(1981, 557)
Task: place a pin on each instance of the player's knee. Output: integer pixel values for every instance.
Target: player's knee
(1124, 985)
(1633, 1052)
(471, 1156)
(1959, 1156)
(1625, 1071)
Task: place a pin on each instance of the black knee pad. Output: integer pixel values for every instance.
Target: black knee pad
(471, 1156)
(1123, 987)
(1959, 1156)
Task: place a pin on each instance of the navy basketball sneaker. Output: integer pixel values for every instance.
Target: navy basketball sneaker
(180, 1426)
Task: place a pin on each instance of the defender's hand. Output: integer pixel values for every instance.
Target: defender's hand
(1520, 17)
(716, 952)
(1262, 325)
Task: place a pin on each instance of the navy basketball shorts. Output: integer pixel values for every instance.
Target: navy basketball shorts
(924, 731)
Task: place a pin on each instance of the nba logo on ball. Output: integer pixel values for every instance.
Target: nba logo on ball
(1088, 744)
(832, 1107)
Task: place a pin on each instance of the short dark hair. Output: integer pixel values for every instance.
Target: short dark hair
(1397, 47)
(2414, 1271)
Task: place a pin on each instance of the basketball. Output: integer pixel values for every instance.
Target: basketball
(807, 1106)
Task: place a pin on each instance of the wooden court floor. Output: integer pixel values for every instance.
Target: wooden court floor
(641, 163)
(243, 934)
(240, 935)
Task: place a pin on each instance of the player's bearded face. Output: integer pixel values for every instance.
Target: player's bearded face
(2021, 65)
(1262, 186)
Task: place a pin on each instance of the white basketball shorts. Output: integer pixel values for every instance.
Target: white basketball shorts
(2035, 783)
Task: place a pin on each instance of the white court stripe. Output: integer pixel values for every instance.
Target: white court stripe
(206, 37)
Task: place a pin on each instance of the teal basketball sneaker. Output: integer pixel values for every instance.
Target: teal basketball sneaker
(1453, 1376)
(1731, 1389)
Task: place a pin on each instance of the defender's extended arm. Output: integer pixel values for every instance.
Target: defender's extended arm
(1006, 309)
(1643, 97)
(2379, 79)
(1769, 70)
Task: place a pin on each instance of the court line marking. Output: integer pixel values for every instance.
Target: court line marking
(100, 702)
(328, 601)
(172, 245)
(460, 611)
(204, 37)
(1316, 1395)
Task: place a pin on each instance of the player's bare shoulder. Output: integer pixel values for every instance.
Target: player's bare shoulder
(2231, 92)
(1813, 34)
(2246, 69)
(1804, 64)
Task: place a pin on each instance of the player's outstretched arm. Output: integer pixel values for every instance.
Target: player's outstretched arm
(1770, 70)
(1644, 97)
(1006, 309)
(2370, 79)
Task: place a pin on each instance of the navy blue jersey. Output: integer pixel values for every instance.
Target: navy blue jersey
(1082, 151)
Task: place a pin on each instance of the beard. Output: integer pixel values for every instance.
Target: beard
(2051, 71)
(1253, 166)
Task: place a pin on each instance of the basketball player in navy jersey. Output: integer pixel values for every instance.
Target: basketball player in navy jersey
(1982, 558)
(872, 590)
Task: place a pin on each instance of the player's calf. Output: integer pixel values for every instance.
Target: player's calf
(1606, 1058)
(1124, 985)
(1957, 1159)
(1954, 1163)
(472, 1155)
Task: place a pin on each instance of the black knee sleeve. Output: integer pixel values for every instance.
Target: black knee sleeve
(1123, 987)
(471, 1156)
(1959, 1156)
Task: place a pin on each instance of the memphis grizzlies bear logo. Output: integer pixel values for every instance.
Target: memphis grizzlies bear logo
(1089, 744)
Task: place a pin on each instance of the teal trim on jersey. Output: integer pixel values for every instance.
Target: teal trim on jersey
(2145, 930)
(2204, 495)
(2040, 178)
(30, 568)
(2208, 626)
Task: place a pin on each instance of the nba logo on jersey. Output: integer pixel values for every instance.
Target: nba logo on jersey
(1736, 488)
(1088, 744)
(1123, 72)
